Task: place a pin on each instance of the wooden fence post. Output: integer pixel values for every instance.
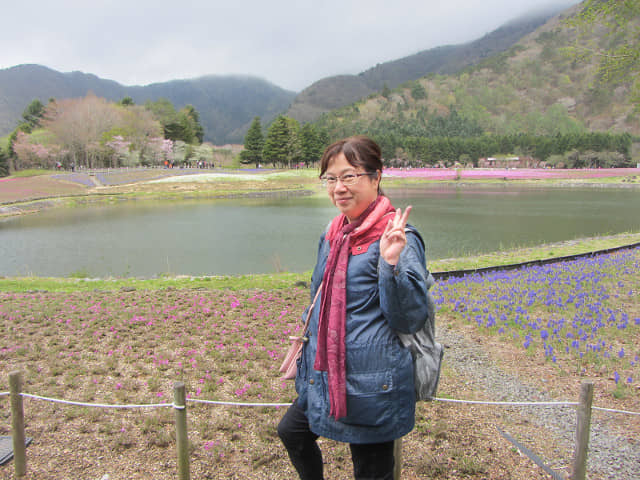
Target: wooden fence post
(397, 458)
(582, 432)
(182, 439)
(17, 424)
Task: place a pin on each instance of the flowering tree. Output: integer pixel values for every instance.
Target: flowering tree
(91, 132)
(138, 125)
(33, 154)
(121, 148)
(160, 150)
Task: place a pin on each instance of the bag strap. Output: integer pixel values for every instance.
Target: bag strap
(306, 323)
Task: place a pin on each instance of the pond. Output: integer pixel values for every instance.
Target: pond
(265, 235)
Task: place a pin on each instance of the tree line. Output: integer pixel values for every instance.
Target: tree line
(92, 132)
(580, 150)
(441, 140)
(286, 143)
(430, 138)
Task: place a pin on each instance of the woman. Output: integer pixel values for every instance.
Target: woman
(355, 379)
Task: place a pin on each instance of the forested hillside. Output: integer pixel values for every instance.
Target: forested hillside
(337, 91)
(227, 104)
(579, 72)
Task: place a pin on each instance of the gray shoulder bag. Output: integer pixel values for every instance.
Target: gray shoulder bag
(426, 352)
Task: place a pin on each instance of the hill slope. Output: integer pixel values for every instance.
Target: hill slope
(226, 104)
(564, 77)
(334, 92)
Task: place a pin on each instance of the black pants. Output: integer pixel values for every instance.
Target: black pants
(373, 461)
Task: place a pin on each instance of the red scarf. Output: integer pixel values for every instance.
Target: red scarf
(344, 238)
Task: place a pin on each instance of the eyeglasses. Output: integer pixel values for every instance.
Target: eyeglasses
(347, 179)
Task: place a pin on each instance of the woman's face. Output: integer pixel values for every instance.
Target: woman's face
(354, 199)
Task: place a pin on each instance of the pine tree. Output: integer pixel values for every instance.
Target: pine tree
(253, 144)
(294, 145)
(386, 92)
(276, 144)
(312, 144)
(4, 163)
(32, 115)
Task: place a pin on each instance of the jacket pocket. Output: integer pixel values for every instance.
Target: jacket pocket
(369, 398)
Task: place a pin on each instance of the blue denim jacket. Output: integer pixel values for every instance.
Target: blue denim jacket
(381, 299)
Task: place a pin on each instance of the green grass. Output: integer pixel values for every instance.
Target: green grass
(239, 282)
(541, 252)
(32, 173)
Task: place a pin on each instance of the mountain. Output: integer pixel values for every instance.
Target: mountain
(226, 104)
(578, 72)
(337, 91)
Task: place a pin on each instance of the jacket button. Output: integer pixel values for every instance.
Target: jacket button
(312, 381)
(385, 387)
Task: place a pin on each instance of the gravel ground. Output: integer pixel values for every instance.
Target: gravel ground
(611, 455)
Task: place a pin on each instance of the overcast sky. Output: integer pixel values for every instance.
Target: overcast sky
(291, 43)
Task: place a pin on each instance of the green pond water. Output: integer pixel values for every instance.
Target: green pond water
(263, 235)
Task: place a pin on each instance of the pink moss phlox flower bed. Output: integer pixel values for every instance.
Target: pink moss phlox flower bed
(510, 174)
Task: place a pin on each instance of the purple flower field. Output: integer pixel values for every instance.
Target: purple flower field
(81, 178)
(581, 315)
(123, 176)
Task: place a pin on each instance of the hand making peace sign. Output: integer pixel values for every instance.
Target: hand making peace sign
(393, 239)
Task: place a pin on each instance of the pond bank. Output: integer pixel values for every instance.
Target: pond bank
(38, 205)
(286, 280)
(27, 195)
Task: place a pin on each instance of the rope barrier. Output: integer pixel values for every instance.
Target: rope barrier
(520, 404)
(102, 405)
(615, 411)
(239, 404)
(257, 404)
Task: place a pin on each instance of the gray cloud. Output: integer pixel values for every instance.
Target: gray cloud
(290, 43)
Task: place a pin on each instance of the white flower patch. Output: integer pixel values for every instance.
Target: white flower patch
(210, 177)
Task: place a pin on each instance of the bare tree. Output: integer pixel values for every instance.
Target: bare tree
(79, 124)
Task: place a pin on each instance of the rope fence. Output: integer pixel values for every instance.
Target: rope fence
(584, 408)
(277, 405)
(99, 405)
(627, 412)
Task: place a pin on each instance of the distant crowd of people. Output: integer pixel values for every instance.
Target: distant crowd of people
(198, 164)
